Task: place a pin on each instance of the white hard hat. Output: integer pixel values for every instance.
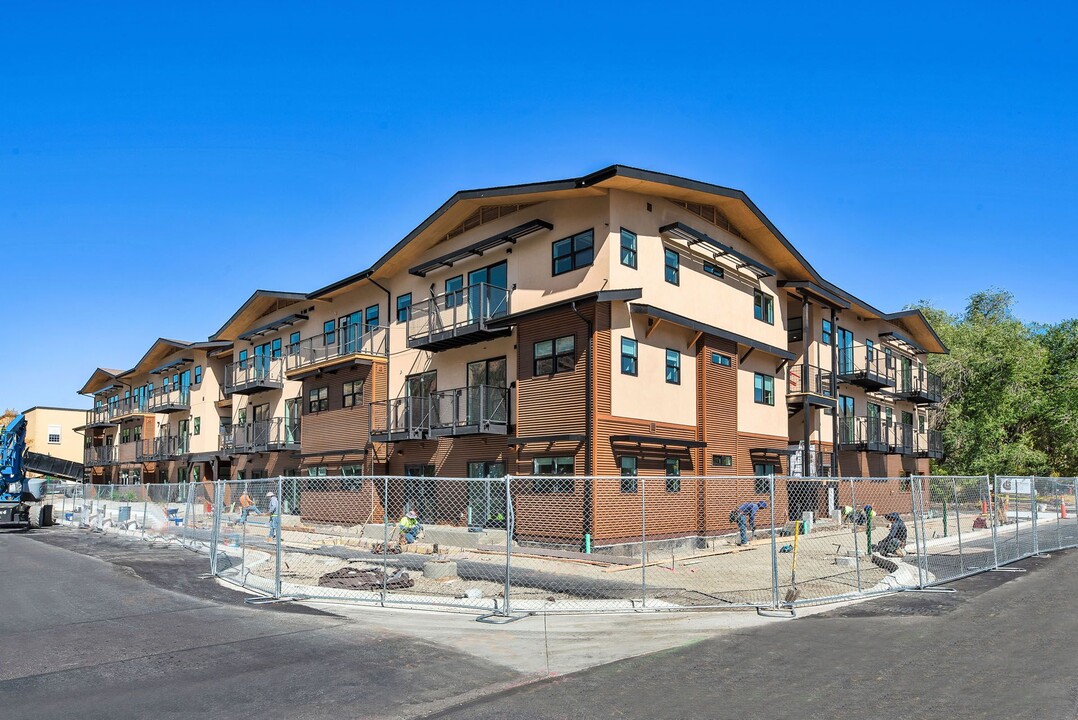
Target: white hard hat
(269, 494)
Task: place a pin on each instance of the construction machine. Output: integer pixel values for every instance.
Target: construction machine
(17, 491)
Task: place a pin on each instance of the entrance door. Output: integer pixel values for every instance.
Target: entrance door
(486, 495)
(845, 352)
(905, 368)
(873, 429)
(417, 389)
(291, 421)
(847, 429)
(420, 494)
(350, 328)
(488, 292)
(487, 399)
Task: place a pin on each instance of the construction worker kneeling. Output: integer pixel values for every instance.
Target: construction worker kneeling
(894, 545)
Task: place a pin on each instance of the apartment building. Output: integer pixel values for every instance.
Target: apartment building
(623, 323)
(51, 431)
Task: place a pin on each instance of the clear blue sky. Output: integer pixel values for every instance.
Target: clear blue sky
(159, 161)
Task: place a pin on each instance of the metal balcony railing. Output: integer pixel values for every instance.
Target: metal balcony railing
(252, 375)
(161, 448)
(901, 438)
(261, 436)
(808, 379)
(169, 399)
(340, 344)
(98, 417)
(469, 411)
(99, 455)
(405, 418)
(457, 318)
(862, 433)
(919, 386)
(930, 444)
(134, 405)
(865, 367)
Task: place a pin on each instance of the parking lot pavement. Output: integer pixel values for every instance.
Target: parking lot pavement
(1001, 647)
(86, 638)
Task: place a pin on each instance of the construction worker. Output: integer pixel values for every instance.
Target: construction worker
(274, 509)
(894, 545)
(746, 516)
(409, 527)
(247, 506)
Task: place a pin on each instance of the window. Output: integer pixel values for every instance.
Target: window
(672, 264)
(317, 471)
(353, 393)
(555, 356)
(573, 253)
(243, 364)
(370, 318)
(714, 270)
(870, 350)
(454, 291)
(763, 307)
(329, 332)
(628, 356)
(275, 348)
(722, 460)
(628, 248)
(628, 473)
(198, 425)
(553, 466)
(293, 344)
(720, 359)
(920, 424)
(904, 484)
(764, 389)
(762, 485)
(317, 399)
(138, 433)
(125, 435)
(54, 434)
(404, 306)
(825, 336)
(673, 366)
(673, 475)
(198, 375)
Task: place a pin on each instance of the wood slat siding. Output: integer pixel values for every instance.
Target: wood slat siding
(604, 361)
(551, 404)
(338, 428)
(327, 501)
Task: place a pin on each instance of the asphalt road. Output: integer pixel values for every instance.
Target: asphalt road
(1004, 646)
(94, 626)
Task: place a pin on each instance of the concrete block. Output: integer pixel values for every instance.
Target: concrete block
(440, 570)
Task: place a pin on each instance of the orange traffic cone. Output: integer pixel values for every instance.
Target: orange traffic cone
(984, 506)
(1062, 510)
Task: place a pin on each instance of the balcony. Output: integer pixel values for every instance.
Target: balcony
(921, 387)
(900, 439)
(405, 418)
(930, 444)
(808, 384)
(254, 375)
(261, 436)
(169, 400)
(862, 433)
(865, 367)
(457, 318)
(98, 417)
(99, 455)
(129, 407)
(332, 350)
(479, 409)
(161, 448)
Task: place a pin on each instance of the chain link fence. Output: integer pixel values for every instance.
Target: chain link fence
(505, 546)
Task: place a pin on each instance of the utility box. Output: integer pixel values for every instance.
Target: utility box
(124, 514)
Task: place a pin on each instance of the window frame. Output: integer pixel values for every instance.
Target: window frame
(558, 483)
(720, 460)
(368, 325)
(716, 271)
(763, 304)
(760, 389)
(671, 272)
(827, 332)
(758, 475)
(633, 254)
(555, 357)
(353, 398)
(630, 476)
(196, 425)
(672, 471)
(58, 434)
(676, 366)
(721, 359)
(406, 309)
(574, 254)
(317, 399)
(633, 357)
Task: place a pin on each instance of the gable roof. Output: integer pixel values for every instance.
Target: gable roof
(260, 303)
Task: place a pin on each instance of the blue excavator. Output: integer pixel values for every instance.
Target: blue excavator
(17, 491)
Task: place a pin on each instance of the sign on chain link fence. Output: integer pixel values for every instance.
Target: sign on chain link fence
(512, 545)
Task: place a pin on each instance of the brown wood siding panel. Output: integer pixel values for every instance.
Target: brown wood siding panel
(339, 427)
(551, 404)
(603, 359)
(327, 500)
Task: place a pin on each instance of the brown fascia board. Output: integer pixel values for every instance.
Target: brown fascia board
(107, 372)
(256, 295)
(918, 316)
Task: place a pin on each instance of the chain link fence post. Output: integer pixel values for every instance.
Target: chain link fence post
(774, 545)
(510, 521)
(958, 526)
(643, 542)
(917, 489)
(853, 531)
(276, 524)
(1033, 513)
(215, 535)
(385, 536)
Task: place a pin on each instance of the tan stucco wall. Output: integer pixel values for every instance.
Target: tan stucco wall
(38, 421)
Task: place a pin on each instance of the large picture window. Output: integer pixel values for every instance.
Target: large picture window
(317, 399)
(763, 307)
(764, 389)
(556, 468)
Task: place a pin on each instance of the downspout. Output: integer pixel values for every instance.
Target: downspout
(389, 310)
(588, 417)
(808, 414)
